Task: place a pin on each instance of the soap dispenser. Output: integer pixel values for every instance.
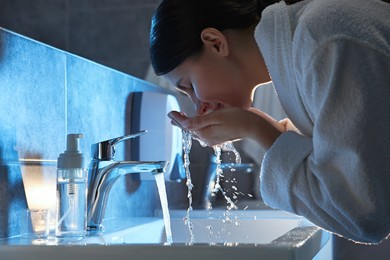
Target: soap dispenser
(71, 191)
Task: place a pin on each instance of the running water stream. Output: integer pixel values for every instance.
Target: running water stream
(160, 181)
(227, 146)
(187, 144)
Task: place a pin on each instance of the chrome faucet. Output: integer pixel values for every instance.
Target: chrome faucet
(104, 171)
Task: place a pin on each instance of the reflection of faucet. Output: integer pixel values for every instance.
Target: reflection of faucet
(104, 171)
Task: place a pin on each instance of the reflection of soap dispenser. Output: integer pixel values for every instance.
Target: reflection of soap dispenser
(71, 191)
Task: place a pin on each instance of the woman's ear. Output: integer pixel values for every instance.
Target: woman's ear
(215, 40)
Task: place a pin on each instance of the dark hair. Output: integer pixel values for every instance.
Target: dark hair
(177, 25)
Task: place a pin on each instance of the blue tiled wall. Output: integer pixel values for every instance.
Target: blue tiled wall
(46, 93)
(119, 30)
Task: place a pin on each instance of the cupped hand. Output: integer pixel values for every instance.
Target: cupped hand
(230, 124)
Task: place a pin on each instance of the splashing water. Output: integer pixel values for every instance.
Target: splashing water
(227, 146)
(187, 143)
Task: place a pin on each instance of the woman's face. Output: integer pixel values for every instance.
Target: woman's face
(212, 82)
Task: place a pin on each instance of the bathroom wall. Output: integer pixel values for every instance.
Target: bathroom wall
(46, 93)
(111, 32)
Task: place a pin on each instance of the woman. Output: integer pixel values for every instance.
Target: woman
(329, 61)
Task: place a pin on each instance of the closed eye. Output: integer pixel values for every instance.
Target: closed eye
(184, 89)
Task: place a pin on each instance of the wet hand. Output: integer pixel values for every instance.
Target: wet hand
(177, 118)
(230, 124)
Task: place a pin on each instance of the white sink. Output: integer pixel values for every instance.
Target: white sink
(261, 234)
(209, 227)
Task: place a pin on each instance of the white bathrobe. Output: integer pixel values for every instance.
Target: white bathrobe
(329, 61)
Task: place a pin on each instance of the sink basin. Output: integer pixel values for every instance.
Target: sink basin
(218, 234)
(209, 227)
(234, 227)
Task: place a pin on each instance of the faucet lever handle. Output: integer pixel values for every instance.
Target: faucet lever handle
(115, 141)
(105, 150)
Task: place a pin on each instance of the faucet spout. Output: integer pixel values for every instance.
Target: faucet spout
(103, 175)
(104, 171)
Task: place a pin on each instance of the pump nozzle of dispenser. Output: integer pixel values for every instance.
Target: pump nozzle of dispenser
(72, 142)
(72, 157)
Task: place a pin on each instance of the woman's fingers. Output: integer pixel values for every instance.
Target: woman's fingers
(193, 123)
(231, 124)
(177, 118)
